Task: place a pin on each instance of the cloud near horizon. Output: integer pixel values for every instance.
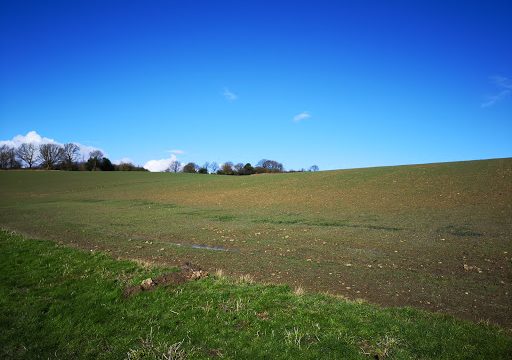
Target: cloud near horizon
(125, 160)
(32, 137)
(302, 116)
(159, 165)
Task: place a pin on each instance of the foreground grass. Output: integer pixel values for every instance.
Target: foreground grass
(57, 302)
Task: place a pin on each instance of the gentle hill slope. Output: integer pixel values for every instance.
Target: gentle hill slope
(436, 236)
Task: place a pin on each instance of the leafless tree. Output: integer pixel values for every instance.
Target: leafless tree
(7, 157)
(206, 166)
(174, 166)
(50, 155)
(239, 167)
(270, 165)
(95, 158)
(71, 152)
(314, 168)
(96, 154)
(214, 167)
(27, 153)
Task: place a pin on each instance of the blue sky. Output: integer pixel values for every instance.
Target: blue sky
(339, 84)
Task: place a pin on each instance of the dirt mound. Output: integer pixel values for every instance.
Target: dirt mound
(186, 273)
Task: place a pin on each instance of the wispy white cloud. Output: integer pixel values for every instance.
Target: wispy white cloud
(504, 86)
(493, 99)
(177, 152)
(160, 165)
(32, 137)
(302, 116)
(229, 95)
(502, 82)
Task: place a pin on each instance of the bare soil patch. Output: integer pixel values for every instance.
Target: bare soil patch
(187, 272)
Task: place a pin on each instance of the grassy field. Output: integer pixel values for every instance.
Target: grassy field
(57, 302)
(435, 236)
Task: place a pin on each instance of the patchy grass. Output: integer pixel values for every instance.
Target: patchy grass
(58, 302)
(408, 233)
(460, 231)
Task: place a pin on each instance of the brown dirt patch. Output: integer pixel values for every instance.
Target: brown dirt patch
(186, 273)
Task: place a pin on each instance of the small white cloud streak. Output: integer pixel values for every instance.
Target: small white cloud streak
(230, 96)
(177, 152)
(159, 165)
(32, 137)
(502, 83)
(493, 99)
(302, 116)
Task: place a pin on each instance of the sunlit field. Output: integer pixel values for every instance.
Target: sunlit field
(435, 236)
(64, 303)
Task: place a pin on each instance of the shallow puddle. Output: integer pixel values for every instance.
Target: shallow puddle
(206, 247)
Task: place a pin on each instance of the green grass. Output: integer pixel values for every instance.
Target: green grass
(57, 302)
(392, 235)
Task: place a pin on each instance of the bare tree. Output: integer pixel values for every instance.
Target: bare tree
(174, 166)
(95, 158)
(314, 168)
(239, 167)
(270, 165)
(214, 167)
(50, 155)
(71, 152)
(206, 166)
(27, 153)
(13, 159)
(8, 158)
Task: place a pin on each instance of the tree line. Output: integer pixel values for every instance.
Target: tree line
(67, 157)
(264, 166)
(57, 157)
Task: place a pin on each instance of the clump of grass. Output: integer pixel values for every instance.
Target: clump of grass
(381, 349)
(150, 350)
(239, 305)
(299, 291)
(219, 274)
(246, 279)
(144, 263)
(336, 296)
(294, 337)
